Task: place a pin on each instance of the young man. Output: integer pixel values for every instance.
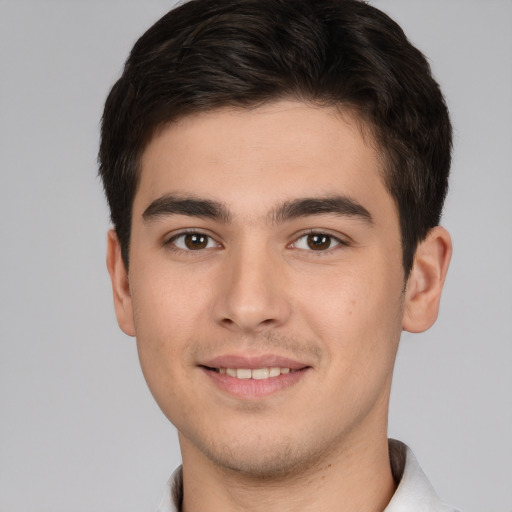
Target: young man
(276, 171)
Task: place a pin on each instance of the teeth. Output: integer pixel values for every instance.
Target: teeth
(243, 373)
(256, 373)
(260, 373)
(275, 372)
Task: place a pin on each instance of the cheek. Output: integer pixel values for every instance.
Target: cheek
(161, 327)
(167, 309)
(166, 303)
(356, 312)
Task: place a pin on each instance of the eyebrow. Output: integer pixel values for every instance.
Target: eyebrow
(172, 204)
(190, 206)
(338, 205)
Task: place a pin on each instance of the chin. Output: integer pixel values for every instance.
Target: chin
(280, 463)
(275, 461)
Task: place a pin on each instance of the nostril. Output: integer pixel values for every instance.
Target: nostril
(247, 324)
(249, 306)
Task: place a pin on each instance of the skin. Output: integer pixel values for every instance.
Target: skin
(257, 288)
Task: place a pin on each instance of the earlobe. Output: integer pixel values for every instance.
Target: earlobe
(426, 280)
(120, 284)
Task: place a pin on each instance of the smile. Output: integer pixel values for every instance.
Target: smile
(257, 381)
(255, 373)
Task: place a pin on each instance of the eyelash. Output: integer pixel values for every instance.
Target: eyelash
(171, 242)
(338, 242)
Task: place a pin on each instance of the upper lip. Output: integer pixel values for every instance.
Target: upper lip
(253, 362)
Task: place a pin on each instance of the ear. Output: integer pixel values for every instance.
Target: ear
(426, 280)
(120, 284)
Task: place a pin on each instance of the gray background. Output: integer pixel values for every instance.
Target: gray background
(78, 429)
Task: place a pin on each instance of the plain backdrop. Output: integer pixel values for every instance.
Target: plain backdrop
(79, 431)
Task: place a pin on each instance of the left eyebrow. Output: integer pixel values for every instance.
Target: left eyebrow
(338, 205)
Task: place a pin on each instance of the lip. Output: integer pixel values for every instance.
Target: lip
(253, 362)
(252, 389)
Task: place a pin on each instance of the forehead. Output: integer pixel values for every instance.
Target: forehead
(254, 157)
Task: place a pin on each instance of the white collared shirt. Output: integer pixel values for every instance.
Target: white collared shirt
(413, 494)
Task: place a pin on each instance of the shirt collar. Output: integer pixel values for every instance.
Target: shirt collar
(414, 491)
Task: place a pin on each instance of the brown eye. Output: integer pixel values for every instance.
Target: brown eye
(193, 242)
(196, 241)
(319, 242)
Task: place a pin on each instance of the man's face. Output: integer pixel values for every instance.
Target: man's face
(265, 245)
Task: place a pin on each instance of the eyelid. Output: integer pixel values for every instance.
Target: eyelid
(341, 241)
(169, 240)
(172, 237)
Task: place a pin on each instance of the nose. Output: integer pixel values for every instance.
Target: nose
(252, 295)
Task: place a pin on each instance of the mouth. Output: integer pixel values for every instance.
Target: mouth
(254, 373)
(253, 377)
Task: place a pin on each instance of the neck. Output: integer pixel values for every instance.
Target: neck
(351, 478)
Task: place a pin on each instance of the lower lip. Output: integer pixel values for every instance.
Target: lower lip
(254, 388)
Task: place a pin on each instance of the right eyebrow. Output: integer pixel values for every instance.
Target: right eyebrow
(190, 206)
